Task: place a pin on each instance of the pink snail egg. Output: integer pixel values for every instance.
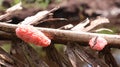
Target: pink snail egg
(31, 35)
(99, 44)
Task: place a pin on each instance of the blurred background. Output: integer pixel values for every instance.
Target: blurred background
(74, 10)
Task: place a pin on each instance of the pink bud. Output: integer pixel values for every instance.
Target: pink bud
(29, 34)
(97, 43)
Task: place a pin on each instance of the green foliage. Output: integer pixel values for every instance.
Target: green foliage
(6, 47)
(1, 2)
(16, 1)
(38, 49)
(42, 3)
(28, 3)
(105, 32)
(59, 47)
(1, 7)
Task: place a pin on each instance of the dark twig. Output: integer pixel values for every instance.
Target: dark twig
(5, 36)
(53, 19)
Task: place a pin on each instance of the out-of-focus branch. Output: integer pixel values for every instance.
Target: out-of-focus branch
(33, 20)
(11, 10)
(5, 36)
(82, 26)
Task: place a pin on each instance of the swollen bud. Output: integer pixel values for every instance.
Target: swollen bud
(97, 43)
(29, 34)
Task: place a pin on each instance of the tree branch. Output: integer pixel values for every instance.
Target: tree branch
(66, 35)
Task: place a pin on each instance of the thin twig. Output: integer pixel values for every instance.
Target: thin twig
(4, 16)
(95, 23)
(81, 25)
(66, 27)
